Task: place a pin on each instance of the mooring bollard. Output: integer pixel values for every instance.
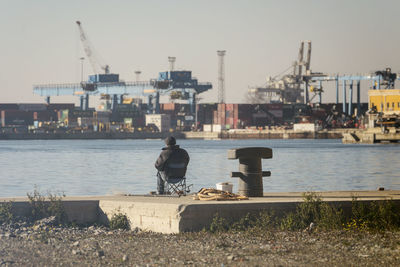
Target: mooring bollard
(250, 169)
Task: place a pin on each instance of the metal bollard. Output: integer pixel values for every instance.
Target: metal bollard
(250, 170)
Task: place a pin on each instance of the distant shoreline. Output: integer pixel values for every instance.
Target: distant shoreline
(262, 134)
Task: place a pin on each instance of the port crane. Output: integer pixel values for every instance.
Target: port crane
(90, 52)
(297, 86)
(179, 84)
(292, 87)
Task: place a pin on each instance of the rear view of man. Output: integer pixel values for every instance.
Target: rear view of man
(172, 152)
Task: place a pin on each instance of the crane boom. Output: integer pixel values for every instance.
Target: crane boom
(90, 52)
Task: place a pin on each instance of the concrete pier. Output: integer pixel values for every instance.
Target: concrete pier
(166, 214)
(267, 134)
(372, 136)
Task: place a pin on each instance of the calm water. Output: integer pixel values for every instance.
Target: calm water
(100, 167)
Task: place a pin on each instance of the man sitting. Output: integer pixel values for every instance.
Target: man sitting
(171, 152)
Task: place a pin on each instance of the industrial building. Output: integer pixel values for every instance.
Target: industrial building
(387, 101)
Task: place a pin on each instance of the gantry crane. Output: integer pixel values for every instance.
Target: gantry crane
(173, 83)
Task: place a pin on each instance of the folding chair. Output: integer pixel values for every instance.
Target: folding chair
(174, 178)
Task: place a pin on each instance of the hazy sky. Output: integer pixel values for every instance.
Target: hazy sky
(40, 42)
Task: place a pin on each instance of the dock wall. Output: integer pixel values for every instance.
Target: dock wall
(371, 136)
(267, 134)
(165, 214)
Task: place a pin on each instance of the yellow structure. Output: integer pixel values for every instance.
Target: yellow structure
(386, 101)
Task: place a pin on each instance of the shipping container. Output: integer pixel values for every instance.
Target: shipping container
(138, 122)
(60, 106)
(46, 115)
(3, 118)
(16, 117)
(207, 127)
(161, 121)
(62, 115)
(32, 107)
(85, 122)
(181, 76)
(168, 106)
(102, 117)
(6, 106)
(227, 114)
(81, 113)
(104, 78)
(245, 112)
(218, 127)
(205, 113)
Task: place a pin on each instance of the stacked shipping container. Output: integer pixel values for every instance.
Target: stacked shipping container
(26, 114)
(242, 115)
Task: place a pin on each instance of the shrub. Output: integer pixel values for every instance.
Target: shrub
(6, 215)
(218, 224)
(42, 208)
(119, 221)
(331, 217)
(289, 222)
(374, 215)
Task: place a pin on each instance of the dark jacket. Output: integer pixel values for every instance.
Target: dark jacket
(171, 153)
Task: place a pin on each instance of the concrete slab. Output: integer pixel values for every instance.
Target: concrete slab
(166, 214)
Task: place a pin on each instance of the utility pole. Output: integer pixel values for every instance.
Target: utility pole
(138, 72)
(171, 61)
(221, 76)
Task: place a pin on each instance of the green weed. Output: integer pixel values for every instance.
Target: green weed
(375, 215)
(6, 215)
(313, 210)
(43, 207)
(218, 224)
(119, 221)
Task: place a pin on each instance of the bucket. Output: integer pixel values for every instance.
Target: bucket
(225, 186)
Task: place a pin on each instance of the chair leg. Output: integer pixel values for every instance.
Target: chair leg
(179, 188)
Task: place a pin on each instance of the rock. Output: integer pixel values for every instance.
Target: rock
(75, 244)
(136, 230)
(49, 221)
(8, 234)
(267, 246)
(230, 258)
(99, 253)
(24, 235)
(310, 228)
(124, 258)
(74, 252)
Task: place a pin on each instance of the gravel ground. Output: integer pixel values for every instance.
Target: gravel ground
(44, 245)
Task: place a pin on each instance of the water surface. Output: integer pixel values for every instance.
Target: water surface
(100, 167)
